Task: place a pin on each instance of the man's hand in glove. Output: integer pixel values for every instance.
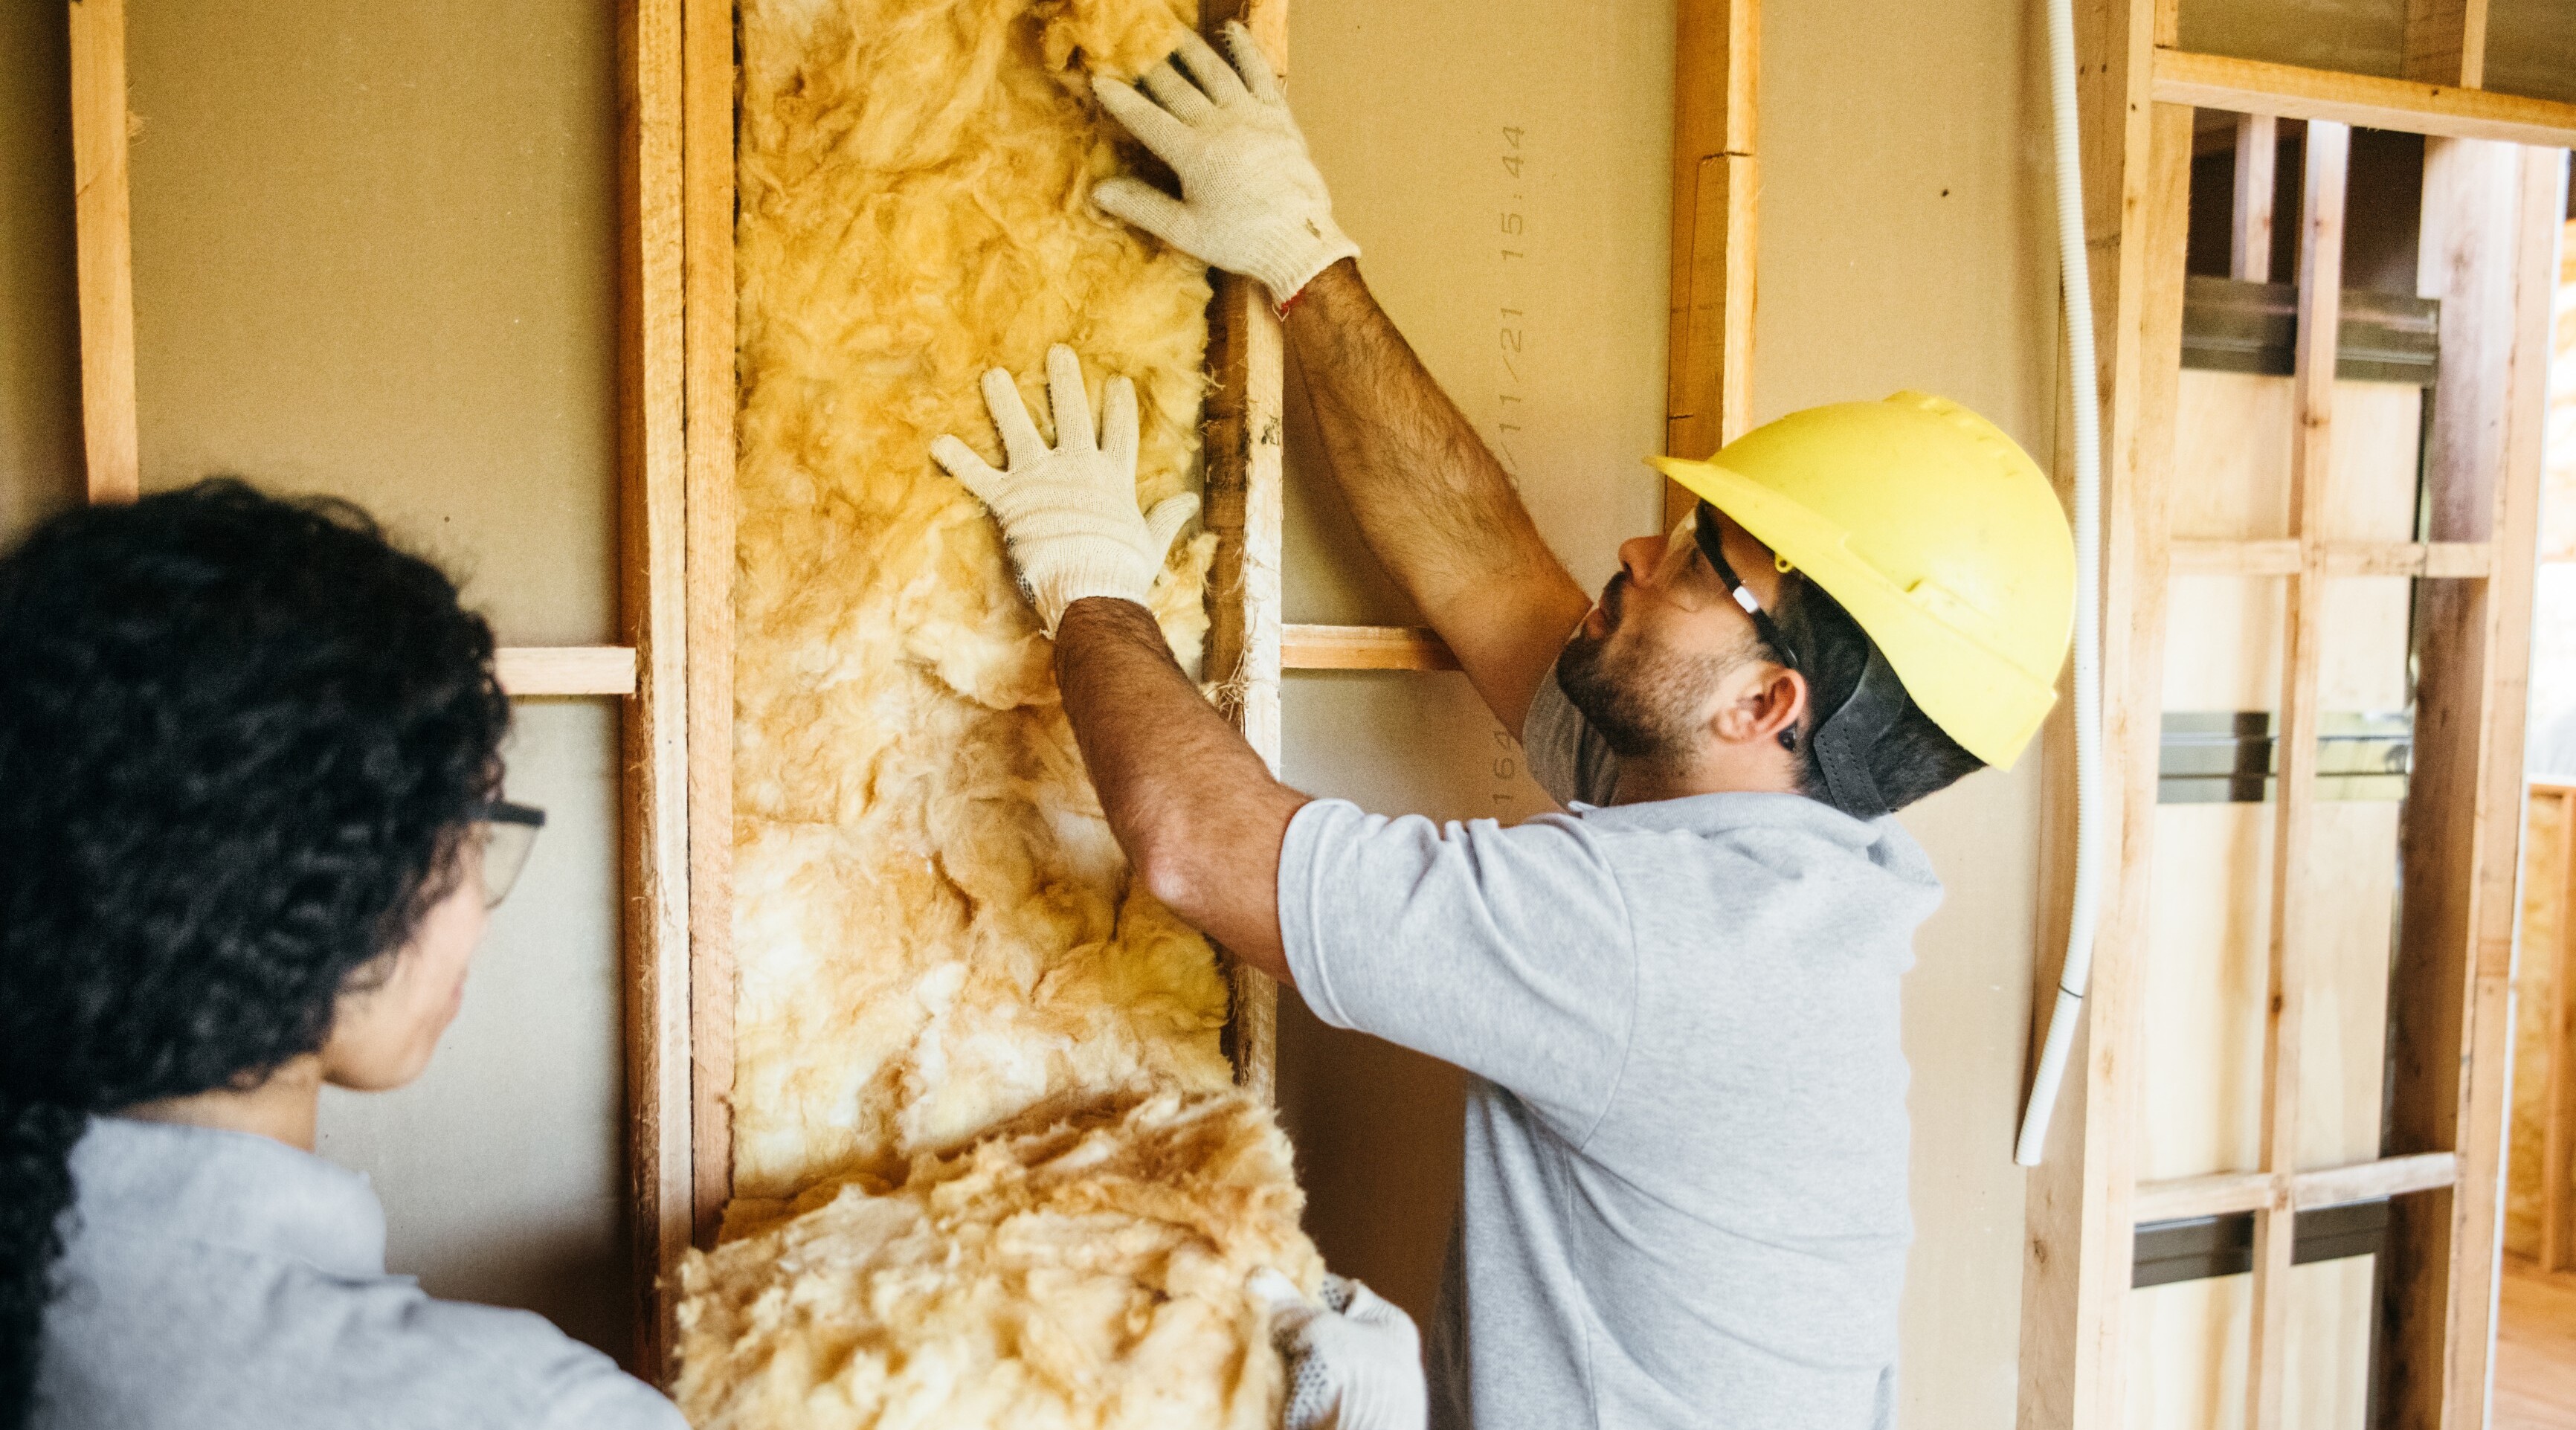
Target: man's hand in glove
(1251, 201)
(1069, 513)
(1354, 1362)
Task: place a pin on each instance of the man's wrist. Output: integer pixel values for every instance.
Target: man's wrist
(1112, 617)
(1337, 279)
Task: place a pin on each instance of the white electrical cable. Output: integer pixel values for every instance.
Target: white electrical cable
(2075, 278)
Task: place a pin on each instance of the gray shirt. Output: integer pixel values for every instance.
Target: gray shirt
(217, 1279)
(1685, 1199)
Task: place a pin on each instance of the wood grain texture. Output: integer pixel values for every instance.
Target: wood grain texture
(2224, 1193)
(2490, 219)
(1716, 204)
(565, 670)
(2137, 168)
(1244, 506)
(2406, 106)
(1364, 648)
(2320, 290)
(709, 398)
(2445, 560)
(103, 243)
(2446, 42)
(2557, 1169)
(653, 616)
(2535, 1353)
(2249, 237)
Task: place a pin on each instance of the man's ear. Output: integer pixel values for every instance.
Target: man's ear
(1767, 699)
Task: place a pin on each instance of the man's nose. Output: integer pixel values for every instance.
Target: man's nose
(1641, 555)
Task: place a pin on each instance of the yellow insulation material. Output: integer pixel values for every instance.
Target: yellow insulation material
(990, 1168)
(1088, 1275)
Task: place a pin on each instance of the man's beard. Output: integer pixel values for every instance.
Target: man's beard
(1647, 703)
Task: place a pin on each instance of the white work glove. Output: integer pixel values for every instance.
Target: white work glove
(1069, 513)
(1251, 201)
(1354, 1362)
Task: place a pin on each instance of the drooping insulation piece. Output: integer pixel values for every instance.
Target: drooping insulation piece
(1090, 1274)
(941, 954)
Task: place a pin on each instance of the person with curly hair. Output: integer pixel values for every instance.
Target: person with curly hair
(250, 827)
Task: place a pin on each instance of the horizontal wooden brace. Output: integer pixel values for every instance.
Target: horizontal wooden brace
(2435, 559)
(2229, 1192)
(1363, 648)
(565, 669)
(2409, 106)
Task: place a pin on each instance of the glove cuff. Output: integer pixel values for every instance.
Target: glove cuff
(1067, 583)
(1286, 265)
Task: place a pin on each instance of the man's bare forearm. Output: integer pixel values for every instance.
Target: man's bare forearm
(1194, 807)
(1435, 506)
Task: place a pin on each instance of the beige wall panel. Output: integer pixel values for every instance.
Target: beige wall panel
(2187, 1351)
(1904, 244)
(2531, 48)
(2206, 986)
(1537, 298)
(2353, 867)
(2223, 643)
(1555, 331)
(2231, 457)
(1907, 241)
(2363, 36)
(2362, 651)
(502, 1169)
(40, 441)
(2201, 1034)
(2378, 443)
(372, 251)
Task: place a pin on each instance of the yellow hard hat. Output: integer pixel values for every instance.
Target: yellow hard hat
(1936, 531)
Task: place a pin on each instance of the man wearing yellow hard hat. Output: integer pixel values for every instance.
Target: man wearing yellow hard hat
(1685, 1199)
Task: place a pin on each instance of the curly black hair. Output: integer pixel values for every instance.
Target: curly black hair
(240, 741)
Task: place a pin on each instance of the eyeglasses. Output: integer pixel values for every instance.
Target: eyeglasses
(1703, 531)
(505, 832)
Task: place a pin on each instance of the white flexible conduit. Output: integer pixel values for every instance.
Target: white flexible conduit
(2075, 279)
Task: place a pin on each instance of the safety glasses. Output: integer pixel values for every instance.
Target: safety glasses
(1698, 535)
(505, 833)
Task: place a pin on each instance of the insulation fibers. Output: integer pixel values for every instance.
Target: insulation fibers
(989, 1164)
(1089, 1274)
(934, 930)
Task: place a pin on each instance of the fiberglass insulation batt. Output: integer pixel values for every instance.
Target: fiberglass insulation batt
(989, 1165)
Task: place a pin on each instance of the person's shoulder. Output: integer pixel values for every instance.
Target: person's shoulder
(473, 1358)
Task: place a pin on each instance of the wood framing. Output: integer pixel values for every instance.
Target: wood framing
(2484, 252)
(653, 618)
(104, 244)
(2364, 101)
(1244, 505)
(2491, 217)
(2338, 558)
(2549, 913)
(2249, 246)
(2229, 1192)
(2329, 149)
(2075, 1270)
(1364, 648)
(709, 395)
(2446, 41)
(1716, 187)
(565, 670)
